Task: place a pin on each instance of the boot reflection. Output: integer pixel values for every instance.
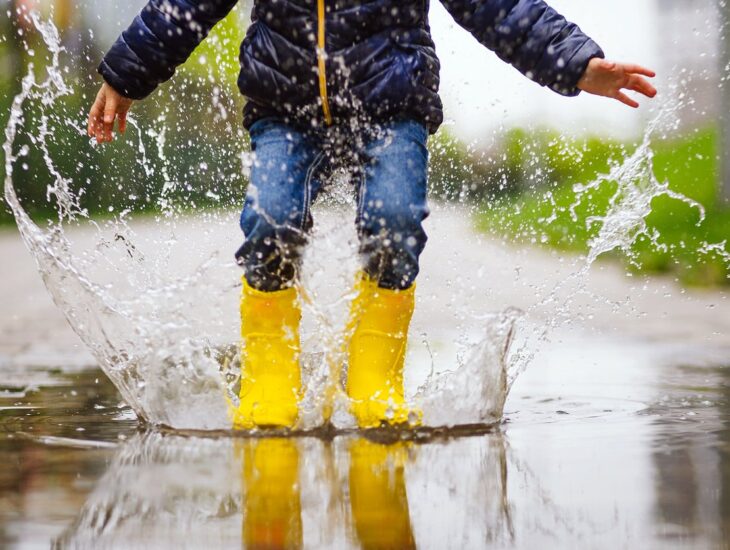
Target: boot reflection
(378, 495)
(271, 509)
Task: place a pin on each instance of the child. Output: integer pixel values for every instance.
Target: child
(331, 84)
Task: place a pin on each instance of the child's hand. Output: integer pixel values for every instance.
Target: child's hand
(608, 78)
(107, 106)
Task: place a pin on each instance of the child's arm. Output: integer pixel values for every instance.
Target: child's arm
(553, 52)
(159, 39)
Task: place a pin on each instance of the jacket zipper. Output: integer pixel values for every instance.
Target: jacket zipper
(321, 63)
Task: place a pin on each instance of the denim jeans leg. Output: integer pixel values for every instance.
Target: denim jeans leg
(275, 216)
(392, 203)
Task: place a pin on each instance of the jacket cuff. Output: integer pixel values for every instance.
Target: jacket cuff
(575, 68)
(119, 84)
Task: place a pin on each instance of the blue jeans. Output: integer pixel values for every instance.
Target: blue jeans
(388, 166)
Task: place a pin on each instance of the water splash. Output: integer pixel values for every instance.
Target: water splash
(631, 203)
(109, 325)
(618, 229)
(155, 302)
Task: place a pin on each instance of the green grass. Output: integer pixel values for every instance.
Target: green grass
(688, 164)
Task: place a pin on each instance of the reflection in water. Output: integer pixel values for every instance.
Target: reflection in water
(349, 492)
(42, 484)
(378, 497)
(173, 489)
(692, 456)
(272, 516)
(650, 470)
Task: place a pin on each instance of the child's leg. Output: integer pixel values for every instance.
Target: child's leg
(274, 220)
(391, 210)
(392, 204)
(275, 216)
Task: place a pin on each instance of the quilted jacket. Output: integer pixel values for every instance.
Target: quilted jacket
(321, 62)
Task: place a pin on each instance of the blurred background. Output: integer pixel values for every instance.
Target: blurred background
(509, 148)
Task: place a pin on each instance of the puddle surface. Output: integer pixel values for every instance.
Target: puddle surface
(628, 452)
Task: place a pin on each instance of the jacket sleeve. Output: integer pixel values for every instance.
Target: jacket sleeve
(532, 37)
(159, 39)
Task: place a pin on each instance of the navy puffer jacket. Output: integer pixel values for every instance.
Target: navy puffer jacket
(319, 62)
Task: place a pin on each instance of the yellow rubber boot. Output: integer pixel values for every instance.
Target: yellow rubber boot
(378, 325)
(272, 516)
(270, 376)
(378, 497)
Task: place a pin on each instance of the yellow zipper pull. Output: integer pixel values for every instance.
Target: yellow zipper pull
(320, 62)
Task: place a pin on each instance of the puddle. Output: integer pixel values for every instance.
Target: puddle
(627, 452)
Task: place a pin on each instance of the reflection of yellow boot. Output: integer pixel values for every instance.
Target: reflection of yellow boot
(270, 377)
(378, 326)
(272, 508)
(378, 495)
